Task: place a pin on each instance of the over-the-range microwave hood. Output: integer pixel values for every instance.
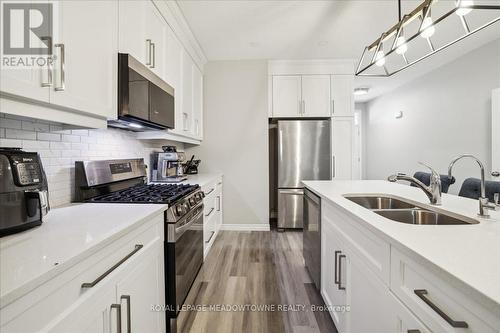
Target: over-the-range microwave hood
(145, 101)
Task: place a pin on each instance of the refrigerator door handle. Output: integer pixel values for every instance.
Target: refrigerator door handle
(333, 167)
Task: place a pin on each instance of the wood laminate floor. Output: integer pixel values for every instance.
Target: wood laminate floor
(256, 268)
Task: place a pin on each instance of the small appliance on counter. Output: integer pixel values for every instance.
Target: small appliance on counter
(24, 198)
(167, 166)
(191, 167)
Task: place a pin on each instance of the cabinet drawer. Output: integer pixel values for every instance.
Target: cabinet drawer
(439, 305)
(35, 309)
(405, 322)
(370, 248)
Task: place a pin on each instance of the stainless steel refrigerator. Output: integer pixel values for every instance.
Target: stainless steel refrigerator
(304, 153)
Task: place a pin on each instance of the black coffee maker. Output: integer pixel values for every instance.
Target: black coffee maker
(24, 198)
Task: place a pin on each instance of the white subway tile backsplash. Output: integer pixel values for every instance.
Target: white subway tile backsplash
(60, 146)
(19, 134)
(70, 138)
(11, 123)
(48, 136)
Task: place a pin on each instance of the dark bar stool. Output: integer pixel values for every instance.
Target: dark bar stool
(471, 188)
(425, 178)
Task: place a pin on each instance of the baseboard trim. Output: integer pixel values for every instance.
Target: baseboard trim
(246, 227)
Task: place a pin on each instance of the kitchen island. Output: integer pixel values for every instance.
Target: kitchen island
(392, 272)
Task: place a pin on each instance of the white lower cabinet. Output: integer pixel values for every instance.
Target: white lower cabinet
(212, 218)
(414, 299)
(342, 147)
(111, 291)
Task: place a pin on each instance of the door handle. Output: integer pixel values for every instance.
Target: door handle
(62, 85)
(115, 266)
(421, 293)
(148, 46)
(118, 309)
(333, 107)
(336, 265)
(49, 62)
(340, 271)
(153, 52)
(129, 320)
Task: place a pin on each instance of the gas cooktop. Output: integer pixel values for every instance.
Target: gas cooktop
(152, 193)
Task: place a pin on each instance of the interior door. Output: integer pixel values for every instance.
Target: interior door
(316, 96)
(287, 96)
(141, 288)
(85, 72)
(342, 95)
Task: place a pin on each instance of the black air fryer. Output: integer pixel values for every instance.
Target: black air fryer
(24, 196)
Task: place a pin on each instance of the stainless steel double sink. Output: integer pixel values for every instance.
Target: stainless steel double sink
(406, 211)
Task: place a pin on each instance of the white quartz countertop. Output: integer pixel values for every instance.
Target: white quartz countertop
(202, 179)
(67, 235)
(469, 253)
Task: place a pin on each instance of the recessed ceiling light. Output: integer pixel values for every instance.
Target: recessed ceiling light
(361, 91)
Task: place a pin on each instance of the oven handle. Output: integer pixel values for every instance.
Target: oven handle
(181, 230)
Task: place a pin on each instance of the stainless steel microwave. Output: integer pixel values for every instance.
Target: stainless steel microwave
(145, 101)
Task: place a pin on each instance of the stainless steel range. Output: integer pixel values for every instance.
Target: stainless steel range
(124, 181)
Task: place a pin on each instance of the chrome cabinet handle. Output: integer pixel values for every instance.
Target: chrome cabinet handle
(333, 107)
(334, 167)
(153, 53)
(129, 320)
(300, 107)
(303, 107)
(210, 212)
(148, 46)
(211, 190)
(336, 265)
(421, 293)
(102, 276)
(218, 203)
(118, 309)
(210, 238)
(49, 62)
(62, 85)
(340, 271)
(413, 331)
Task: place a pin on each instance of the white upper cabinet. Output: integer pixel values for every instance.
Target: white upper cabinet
(187, 94)
(342, 95)
(85, 45)
(143, 34)
(316, 100)
(287, 96)
(342, 147)
(197, 77)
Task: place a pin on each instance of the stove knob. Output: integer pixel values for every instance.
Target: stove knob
(192, 201)
(179, 211)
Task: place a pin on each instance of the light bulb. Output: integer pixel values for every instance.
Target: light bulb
(464, 7)
(428, 28)
(380, 58)
(401, 46)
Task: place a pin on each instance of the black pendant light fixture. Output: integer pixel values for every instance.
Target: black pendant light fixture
(394, 51)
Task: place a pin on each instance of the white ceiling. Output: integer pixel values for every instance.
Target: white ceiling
(315, 29)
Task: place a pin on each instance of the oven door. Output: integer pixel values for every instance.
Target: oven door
(184, 258)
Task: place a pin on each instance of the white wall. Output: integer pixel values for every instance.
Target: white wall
(446, 112)
(236, 137)
(59, 147)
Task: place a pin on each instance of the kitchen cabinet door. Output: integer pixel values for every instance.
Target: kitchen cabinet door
(287, 96)
(316, 96)
(173, 75)
(95, 314)
(342, 147)
(133, 30)
(187, 94)
(368, 298)
(197, 77)
(86, 44)
(333, 293)
(142, 287)
(342, 95)
(156, 32)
